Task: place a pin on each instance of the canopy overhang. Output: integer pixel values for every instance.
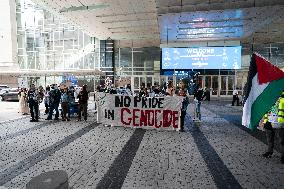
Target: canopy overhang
(42, 73)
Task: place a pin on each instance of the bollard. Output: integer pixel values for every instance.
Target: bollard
(57, 179)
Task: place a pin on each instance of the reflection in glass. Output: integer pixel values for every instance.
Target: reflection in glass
(215, 85)
(208, 82)
(223, 85)
(49, 42)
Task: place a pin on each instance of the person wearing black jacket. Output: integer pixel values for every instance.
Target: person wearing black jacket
(54, 101)
(33, 103)
(83, 102)
(198, 98)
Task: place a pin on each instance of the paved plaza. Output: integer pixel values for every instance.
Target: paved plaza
(216, 153)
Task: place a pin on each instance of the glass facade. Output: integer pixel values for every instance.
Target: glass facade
(47, 42)
(137, 61)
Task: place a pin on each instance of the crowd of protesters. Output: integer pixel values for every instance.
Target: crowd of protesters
(71, 101)
(167, 89)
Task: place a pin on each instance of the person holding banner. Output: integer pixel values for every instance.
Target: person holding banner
(182, 92)
(170, 89)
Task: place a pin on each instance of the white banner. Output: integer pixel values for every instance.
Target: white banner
(139, 112)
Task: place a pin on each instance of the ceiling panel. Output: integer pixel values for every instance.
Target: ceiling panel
(161, 21)
(217, 25)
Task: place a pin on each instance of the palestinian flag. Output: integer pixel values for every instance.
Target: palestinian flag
(265, 84)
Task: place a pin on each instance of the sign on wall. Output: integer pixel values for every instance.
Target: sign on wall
(139, 112)
(202, 58)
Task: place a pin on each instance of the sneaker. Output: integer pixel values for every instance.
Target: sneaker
(267, 154)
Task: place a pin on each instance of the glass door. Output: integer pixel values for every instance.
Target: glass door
(223, 85)
(208, 83)
(215, 85)
(231, 83)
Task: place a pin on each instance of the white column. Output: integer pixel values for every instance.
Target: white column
(8, 36)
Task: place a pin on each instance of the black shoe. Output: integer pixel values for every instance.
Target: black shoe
(267, 154)
(282, 160)
(48, 119)
(32, 120)
(56, 119)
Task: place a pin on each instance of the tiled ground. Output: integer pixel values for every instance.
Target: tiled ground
(213, 154)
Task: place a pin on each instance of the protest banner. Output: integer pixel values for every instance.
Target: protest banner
(139, 112)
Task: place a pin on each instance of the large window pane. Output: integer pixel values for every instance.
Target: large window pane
(208, 81)
(125, 57)
(223, 85)
(56, 43)
(230, 84)
(215, 86)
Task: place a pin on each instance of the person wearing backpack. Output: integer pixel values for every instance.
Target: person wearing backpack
(83, 102)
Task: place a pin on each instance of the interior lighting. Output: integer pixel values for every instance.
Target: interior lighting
(188, 28)
(82, 8)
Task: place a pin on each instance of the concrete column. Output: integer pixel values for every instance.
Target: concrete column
(8, 36)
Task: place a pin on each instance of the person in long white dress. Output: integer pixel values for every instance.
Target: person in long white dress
(24, 108)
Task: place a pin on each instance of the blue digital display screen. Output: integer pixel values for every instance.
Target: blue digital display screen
(202, 58)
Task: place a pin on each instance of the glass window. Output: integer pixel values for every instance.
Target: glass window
(138, 58)
(230, 84)
(56, 44)
(200, 81)
(156, 81)
(215, 85)
(136, 83)
(149, 81)
(142, 81)
(208, 82)
(223, 85)
(125, 57)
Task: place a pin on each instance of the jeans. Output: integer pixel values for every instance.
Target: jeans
(83, 107)
(197, 110)
(51, 108)
(65, 107)
(33, 110)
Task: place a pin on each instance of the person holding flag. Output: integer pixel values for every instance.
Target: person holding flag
(274, 124)
(265, 84)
